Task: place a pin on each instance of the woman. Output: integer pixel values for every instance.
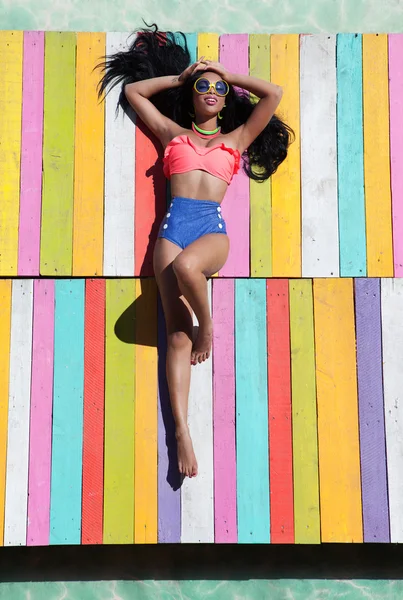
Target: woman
(205, 127)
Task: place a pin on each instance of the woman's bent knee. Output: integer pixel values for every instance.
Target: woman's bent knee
(184, 268)
(179, 340)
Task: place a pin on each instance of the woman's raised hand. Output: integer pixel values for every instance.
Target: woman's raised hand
(199, 65)
(216, 67)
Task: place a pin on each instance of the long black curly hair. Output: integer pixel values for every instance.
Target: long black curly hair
(153, 53)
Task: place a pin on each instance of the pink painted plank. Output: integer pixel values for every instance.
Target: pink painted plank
(41, 414)
(31, 154)
(224, 412)
(234, 55)
(396, 145)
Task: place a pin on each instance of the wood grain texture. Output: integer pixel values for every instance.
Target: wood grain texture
(336, 384)
(119, 203)
(15, 514)
(260, 193)
(304, 418)
(11, 56)
(58, 154)
(207, 46)
(40, 444)
(88, 217)
(146, 418)
(234, 55)
(68, 393)
(5, 334)
(94, 393)
(286, 187)
(253, 502)
(119, 416)
(225, 514)
(350, 157)
(280, 421)
(31, 154)
(392, 352)
(320, 234)
(396, 146)
(378, 203)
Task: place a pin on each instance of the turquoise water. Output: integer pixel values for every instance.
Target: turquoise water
(286, 589)
(224, 16)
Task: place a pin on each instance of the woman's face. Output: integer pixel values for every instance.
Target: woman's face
(208, 105)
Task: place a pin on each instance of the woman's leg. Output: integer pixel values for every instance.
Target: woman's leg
(178, 317)
(192, 266)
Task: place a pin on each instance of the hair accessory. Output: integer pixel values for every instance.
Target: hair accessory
(203, 133)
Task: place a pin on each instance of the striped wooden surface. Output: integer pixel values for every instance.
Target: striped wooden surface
(83, 195)
(296, 418)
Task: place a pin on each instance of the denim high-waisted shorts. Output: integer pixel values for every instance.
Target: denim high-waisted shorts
(187, 220)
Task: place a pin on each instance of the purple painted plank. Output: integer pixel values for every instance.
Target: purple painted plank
(370, 400)
(169, 481)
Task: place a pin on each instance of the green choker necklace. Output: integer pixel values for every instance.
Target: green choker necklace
(201, 131)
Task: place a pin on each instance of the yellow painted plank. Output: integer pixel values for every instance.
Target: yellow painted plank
(58, 154)
(11, 56)
(119, 413)
(286, 188)
(207, 46)
(5, 325)
(88, 159)
(336, 384)
(260, 193)
(146, 416)
(304, 421)
(378, 203)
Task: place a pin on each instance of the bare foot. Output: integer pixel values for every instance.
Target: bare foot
(202, 345)
(187, 462)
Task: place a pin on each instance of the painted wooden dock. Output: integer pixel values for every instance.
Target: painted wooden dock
(296, 418)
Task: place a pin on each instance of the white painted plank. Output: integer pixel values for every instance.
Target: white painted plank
(320, 235)
(197, 493)
(15, 521)
(119, 178)
(392, 349)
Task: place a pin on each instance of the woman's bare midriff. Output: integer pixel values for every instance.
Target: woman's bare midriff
(198, 185)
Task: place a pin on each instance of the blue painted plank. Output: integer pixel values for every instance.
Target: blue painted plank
(350, 156)
(252, 411)
(67, 435)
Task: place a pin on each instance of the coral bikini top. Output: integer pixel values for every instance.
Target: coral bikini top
(182, 155)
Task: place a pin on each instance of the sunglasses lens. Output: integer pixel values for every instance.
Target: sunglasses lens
(221, 88)
(202, 85)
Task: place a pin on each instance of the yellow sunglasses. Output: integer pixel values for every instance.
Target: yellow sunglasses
(204, 86)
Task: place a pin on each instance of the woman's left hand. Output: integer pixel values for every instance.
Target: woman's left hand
(216, 67)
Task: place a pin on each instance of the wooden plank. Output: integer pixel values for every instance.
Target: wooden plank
(119, 178)
(304, 421)
(67, 434)
(396, 146)
(5, 332)
(58, 154)
(11, 56)
(280, 419)
(320, 232)
(119, 417)
(197, 507)
(169, 479)
(225, 514)
(286, 192)
(336, 381)
(392, 352)
(88, 214)
(252, 411)
(234, 55)
(40, 447)
(15, 518)
(350, 157)
(370, 401)
(94, 392)
(31, 154)
(378, 218)
(260, 193)
(146, 417)
(207, 46)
